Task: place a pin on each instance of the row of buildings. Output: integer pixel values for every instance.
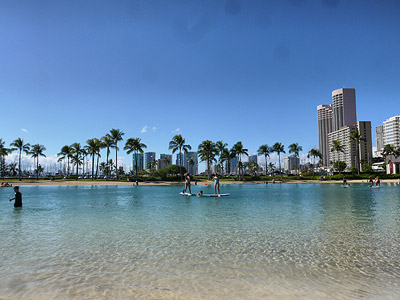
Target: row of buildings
(336, 122)
(148, 160)
(389, 134)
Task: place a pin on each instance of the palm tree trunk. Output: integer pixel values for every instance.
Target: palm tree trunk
(180, 162)
(279, 157)
(83, 167)
(136, 167)
(19, 165)
(97, 165)
(116, 159)
(92, 166)
(208, 168)
(37, 168)
(266, 168)
(68, 167)
(107, 164)
(77, 167)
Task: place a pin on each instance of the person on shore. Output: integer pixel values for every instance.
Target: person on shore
(377, 181)
(187, 183)
(216, 185)
(371, 182)
(17, 198)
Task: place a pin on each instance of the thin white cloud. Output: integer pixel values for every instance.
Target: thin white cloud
(147, 128)
(144, 129)
(176, 130)
(24, 130)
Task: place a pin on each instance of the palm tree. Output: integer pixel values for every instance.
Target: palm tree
(76, 154)
(3, 152)
(20, 146)
(178, 143)
(116, 135)
(93, 148)
(136, 146)
(356, 137)
(226, 156)
(221, 146)
(271, 166)
(166, 160)
(266, 151)
(37, 151)
(388, 150)
(108, 142)
(279, 148)
(239, 150)
(66, 152)
(207, 152)
(314, 153)
(337, 147)
(295, 149)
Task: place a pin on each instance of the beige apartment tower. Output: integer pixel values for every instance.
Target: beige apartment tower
(324, 128)
(344, 108)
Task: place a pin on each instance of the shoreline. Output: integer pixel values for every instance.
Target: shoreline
(174, 183)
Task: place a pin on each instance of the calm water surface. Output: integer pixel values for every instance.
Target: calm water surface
(282, 241)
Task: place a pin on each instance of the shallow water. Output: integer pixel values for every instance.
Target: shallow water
(282, 241)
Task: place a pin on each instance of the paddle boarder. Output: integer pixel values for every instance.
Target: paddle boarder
(216, 184)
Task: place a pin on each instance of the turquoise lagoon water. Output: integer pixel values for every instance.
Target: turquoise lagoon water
(282, 241)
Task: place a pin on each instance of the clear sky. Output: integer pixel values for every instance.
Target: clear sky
(233, 70)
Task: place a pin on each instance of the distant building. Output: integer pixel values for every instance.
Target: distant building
(344, 108)
(179, 159)
(140, 162)
(365, 147)
(349, 155)
(149, 157)
(190, 162)
(325, 116)
(234, 164)
(392, 131)
(392, 165)
(349, 147)
(291, 164)
(380, 142)
(165, 161)
(254, 158)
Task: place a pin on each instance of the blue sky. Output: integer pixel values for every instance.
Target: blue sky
(233, 70)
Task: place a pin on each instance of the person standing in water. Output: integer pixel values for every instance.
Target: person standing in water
(371, 182)
(17, 197)
(187, 183)
(216, 185)
(377, 181)
(345, 181)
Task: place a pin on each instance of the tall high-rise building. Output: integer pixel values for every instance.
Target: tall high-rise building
(253, 158)
(380, 142)
(165, 161)
(349, 147)
(179, 159)
(234, 164)
(344, 108)
(349, 155)
(291, 164)
(324, 128)
(140, 162)
(148, 157)
(365, 147)
(190, 162)
(392, 131)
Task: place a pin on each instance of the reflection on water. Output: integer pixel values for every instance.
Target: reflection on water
(294, 241)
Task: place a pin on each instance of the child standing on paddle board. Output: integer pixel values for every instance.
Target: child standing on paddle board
(187, 183)
(216, 184)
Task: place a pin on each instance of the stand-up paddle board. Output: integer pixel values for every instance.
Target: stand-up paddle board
(345, 186)
(186, 194)
(214, 195)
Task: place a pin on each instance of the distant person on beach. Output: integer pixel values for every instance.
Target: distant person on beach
(377, 181)
(187, 183)
(17, 198)
(371, 182)
(216, 184)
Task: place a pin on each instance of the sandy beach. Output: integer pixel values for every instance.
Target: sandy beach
(168, 183)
